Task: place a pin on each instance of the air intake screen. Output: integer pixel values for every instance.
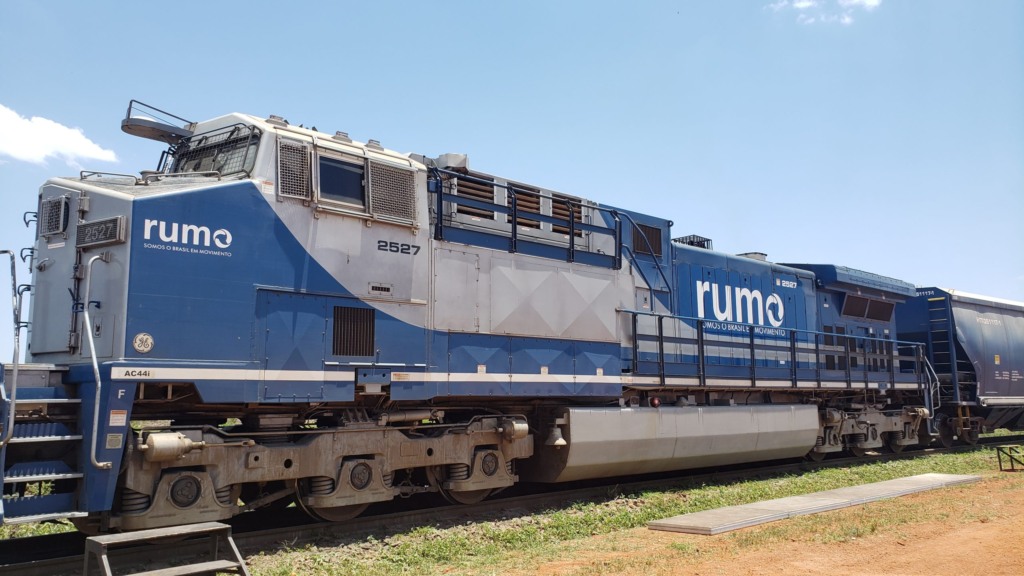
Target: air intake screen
(392, 191)
(53, 216)
(293, 171)
(653, 243)
(353, 331)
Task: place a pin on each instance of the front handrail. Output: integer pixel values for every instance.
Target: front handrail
(657, 261)
(105, 257)
(16, 305)
(934, 395)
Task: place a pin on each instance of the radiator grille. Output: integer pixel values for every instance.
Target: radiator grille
(560, 209)
(53, 216)
(392, 191)
(475, 191)
(353, 331)
(527, 201)
(293, 173)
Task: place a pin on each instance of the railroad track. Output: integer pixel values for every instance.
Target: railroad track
(59, 554)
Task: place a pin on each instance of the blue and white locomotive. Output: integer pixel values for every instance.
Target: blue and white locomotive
(277, 314)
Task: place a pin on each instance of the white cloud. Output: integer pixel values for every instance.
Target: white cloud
(866, 4)
(36, 139)
(824, 11)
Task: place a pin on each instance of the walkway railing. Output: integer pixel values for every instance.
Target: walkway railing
(682, 349)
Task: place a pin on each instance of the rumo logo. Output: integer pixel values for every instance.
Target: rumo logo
(744, 307)
(187, 234)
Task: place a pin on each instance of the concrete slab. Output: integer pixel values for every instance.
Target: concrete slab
(711, 522)
(808, 504)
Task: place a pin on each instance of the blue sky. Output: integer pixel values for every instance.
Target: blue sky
(885, 135)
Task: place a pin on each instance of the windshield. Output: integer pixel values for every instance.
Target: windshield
(226, 151)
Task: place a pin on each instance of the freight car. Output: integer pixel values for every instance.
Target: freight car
(277, 315)
(976, 346)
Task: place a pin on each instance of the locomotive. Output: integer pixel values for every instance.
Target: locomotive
(278, 314)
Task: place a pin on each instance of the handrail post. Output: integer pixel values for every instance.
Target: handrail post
(105, 257)
(439, 222)
(864, 356)
(753, 357)
(700, 354)
(793, 357)
(15, 304)
(661, 349)
(846, 353)
(510, 192)
(572, 231)
(817, 358)
(618, 240)
(636, 344)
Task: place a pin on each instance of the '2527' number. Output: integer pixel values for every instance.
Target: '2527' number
(385, 246)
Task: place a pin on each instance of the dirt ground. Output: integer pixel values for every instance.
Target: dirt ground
(962, 531)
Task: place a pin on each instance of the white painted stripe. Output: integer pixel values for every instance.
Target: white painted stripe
(139, 373)
(728, 383)
(599, 379)
(514, 378)
(682, 381)
(640, 380)
(774, 384)
(559, 378)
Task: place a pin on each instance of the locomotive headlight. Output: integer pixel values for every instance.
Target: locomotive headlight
(100, 232)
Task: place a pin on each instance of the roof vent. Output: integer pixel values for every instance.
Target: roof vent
(452, 161)
(277, 120)
(375, 144)
(694, 240)
(341, 136)
(755, 256)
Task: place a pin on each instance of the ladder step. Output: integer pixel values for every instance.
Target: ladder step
(42, 432)
(44, 393)
(31, 401)
(60, 505)
(39, 471)
(208, 567)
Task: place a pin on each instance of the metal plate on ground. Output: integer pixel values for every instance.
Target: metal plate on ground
(711, 522)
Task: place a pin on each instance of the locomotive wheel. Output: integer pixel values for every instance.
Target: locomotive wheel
(327, 513)
(858, 452)
(816, 456)
(334, 513)
(892, 443)
(970, 436)
(946, 435)
(467, 497)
